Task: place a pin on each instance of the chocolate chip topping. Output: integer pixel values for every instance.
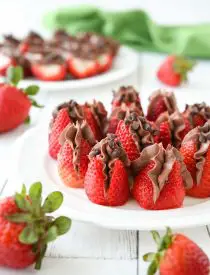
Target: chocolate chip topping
(141, 130)
(197, 109)
(164, 161)
(74, 134)
(109, 149)
(201, 136)
(127, 95)
(51, 59)
(176, 123)
(33, 39)
(168, 98)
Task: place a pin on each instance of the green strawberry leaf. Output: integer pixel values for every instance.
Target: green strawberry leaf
(35, 104)
(27, 120)
(152, 268)
(149, 257)
(14, 75)
(20, 218)
(28, 236)
(52, 234)
(63, 224)
(20, 201)
(23, 190)
(35, 191)
(32, 90)
(156, 237)
(52, 202)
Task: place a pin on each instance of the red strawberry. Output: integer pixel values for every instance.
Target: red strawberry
(51, 68)
(106, 180)
(134, 133)
(77, 141)
(160, 102)
(15, 103)
(161, 178)
(104, 62)
(96, 116)
(26, 229)
(174, 70)
(119, 113)
(172, 128)
(127, 95)
(197, 114)
(196, 152)
(177, 255)
(82, 68)
(62, 116)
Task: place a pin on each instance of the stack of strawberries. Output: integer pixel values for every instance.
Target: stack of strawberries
(157, 158)
(61, 57)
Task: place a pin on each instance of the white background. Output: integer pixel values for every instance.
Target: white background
(87, 249)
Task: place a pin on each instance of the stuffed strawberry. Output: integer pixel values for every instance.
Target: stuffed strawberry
(176, 255)
(65, 113)
(77, 141)
(51, 67)
(135, 133)
(15, 103)
(119, 113)
(126, 95)
(160, 102)
(96, 116)
(26, 228)
(172, 129)
(82, 68)
(32, 40)
(174, 70)
(161, 178)
(197, 114)
(106, 180)
(196, 152)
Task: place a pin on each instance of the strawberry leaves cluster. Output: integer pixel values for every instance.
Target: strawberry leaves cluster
(41, 228)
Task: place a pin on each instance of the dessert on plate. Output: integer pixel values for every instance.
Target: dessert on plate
(157, 158)
(61, 57)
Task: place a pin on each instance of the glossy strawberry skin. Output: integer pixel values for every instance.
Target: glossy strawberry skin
(167, 74)
(113, 125)
(52, 72)
(12, 253)
(187, 128)
(89, 117)
(201, 190)
(14, 107)
(68, 174)
(118, 190)
(158, 109)
(105, 62)
(198, 120)
(127, 141)
(61, 121)
(184, 257)
(164, 135)
(171, 196)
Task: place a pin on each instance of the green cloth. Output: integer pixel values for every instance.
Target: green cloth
(135, 29)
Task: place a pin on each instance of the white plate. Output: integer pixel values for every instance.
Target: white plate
(31, 162)
(125, 64)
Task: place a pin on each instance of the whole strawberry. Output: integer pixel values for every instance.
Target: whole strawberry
(197, 114)
(96, 116)
(65, 113)
(160, 102)
(15, 103)
(106, 180)
(172, 128)
(26, 229)
(134, 133)
(126, 95)
(161, 178)
(195, 149)
(176, 255)
(119, 113)
(174, 70)
(77, 141)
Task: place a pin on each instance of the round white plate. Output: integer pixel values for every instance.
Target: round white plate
(31, 162)
(125, 64)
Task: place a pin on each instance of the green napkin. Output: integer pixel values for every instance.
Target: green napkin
(135, 29)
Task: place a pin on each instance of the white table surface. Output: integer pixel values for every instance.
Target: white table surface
(88, 249)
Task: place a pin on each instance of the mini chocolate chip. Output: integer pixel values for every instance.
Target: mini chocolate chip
(147, 127)
(135, 125)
